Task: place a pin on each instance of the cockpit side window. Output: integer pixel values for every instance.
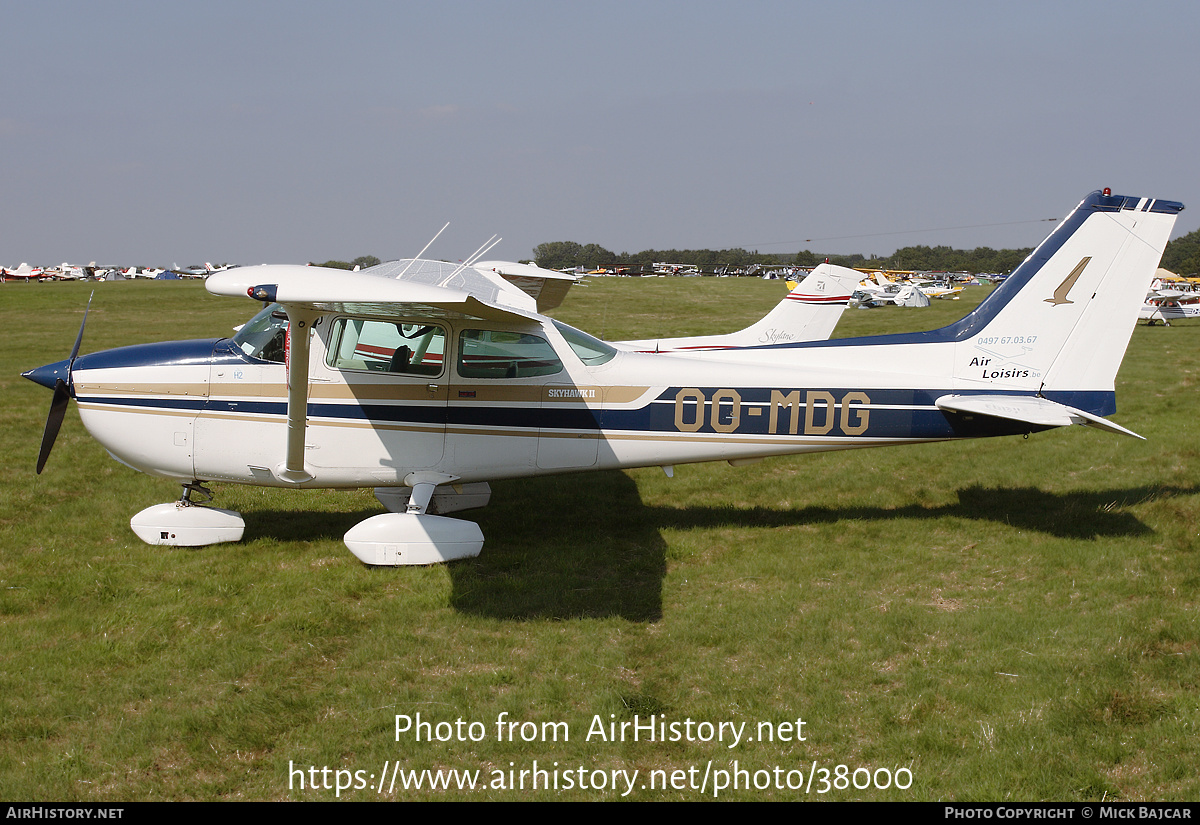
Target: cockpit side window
(263, 335)
(486, 353)
(387, 346)
(591, 351)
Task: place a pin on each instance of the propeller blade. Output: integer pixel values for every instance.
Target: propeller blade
(62, 397)
(58, 411)
(79, 337)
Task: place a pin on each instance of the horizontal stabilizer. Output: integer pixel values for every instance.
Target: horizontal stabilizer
(1029, 409)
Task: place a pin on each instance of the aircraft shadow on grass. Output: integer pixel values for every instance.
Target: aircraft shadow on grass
(570, 547)
(1074, 515)
(608, 558)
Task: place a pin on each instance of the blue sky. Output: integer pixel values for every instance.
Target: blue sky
(283, 132)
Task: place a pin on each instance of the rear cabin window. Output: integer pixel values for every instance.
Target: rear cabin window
(387, 346)
(485, 353)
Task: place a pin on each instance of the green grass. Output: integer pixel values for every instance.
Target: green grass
(1008, 619)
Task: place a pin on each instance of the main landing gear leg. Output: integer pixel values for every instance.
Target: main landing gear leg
(188, 523)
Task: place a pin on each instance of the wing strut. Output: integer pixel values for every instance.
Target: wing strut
(300, 322)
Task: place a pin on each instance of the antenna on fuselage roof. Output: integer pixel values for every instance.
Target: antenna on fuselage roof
(422, 252)
(475, 256)
(479, 253)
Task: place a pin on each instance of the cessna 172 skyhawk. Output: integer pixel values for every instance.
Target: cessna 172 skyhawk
(426, 380)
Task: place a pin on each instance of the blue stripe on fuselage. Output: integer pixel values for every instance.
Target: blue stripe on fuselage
(887, 414)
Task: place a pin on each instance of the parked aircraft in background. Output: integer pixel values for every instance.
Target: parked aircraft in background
(934, 289)
(198, 271)
(24, 272)
(1169, 301)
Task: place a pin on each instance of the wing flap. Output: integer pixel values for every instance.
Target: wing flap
(545, 286)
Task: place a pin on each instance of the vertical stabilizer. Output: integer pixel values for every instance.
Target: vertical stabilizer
(1061, 322)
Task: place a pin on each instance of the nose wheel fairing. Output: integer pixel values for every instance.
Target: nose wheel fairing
(178, 524)
(185, 523)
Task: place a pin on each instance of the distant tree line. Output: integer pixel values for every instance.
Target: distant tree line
(568, 255)
(982, 259)
(362, 262)
(1182, 257)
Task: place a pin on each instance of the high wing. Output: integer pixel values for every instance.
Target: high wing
(451, 294)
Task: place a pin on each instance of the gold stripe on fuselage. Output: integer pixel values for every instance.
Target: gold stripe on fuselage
(412, 390)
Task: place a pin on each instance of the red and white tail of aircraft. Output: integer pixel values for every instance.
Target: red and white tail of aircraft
(808, 313)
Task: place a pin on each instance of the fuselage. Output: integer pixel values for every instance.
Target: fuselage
(488, 400)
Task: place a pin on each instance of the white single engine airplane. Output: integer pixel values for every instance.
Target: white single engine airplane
(425, 380)
(1168, 304)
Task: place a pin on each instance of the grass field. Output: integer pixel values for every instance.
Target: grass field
(1012, 619)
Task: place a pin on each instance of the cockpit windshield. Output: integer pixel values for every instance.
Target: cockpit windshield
(263, 335)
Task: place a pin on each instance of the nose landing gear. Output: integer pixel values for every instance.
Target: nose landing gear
(188, 523)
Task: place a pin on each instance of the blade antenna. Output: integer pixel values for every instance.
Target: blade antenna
(471, 261)
(422, 252)
(492, 241)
